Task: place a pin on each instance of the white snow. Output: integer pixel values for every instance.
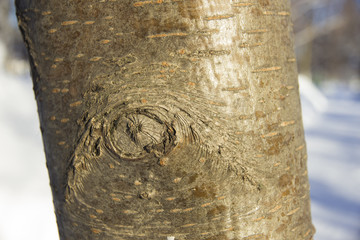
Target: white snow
(333, 142)
(26, 210)
(332, 125)
(313, 101)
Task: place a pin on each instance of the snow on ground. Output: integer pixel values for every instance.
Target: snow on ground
(26, 210)
(333, 143)
(333, 139)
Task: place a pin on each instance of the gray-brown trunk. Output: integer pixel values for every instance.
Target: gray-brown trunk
(170, 118)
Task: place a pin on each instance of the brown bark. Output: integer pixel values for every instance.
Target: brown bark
(170, 118)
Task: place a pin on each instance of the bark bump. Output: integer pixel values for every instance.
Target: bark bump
(139, 132)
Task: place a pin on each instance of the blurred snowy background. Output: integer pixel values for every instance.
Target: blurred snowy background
(328, 54)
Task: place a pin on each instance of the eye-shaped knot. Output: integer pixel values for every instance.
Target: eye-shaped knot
(134, 134)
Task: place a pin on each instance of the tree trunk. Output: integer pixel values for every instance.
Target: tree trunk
(170, 118)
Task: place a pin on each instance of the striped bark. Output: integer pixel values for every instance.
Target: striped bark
(170, 118)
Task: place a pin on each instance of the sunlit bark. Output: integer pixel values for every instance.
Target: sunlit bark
(170, 118)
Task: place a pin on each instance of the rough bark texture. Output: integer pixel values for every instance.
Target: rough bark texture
(170, 118)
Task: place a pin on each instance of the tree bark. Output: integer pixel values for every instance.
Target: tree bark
(170, 118)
